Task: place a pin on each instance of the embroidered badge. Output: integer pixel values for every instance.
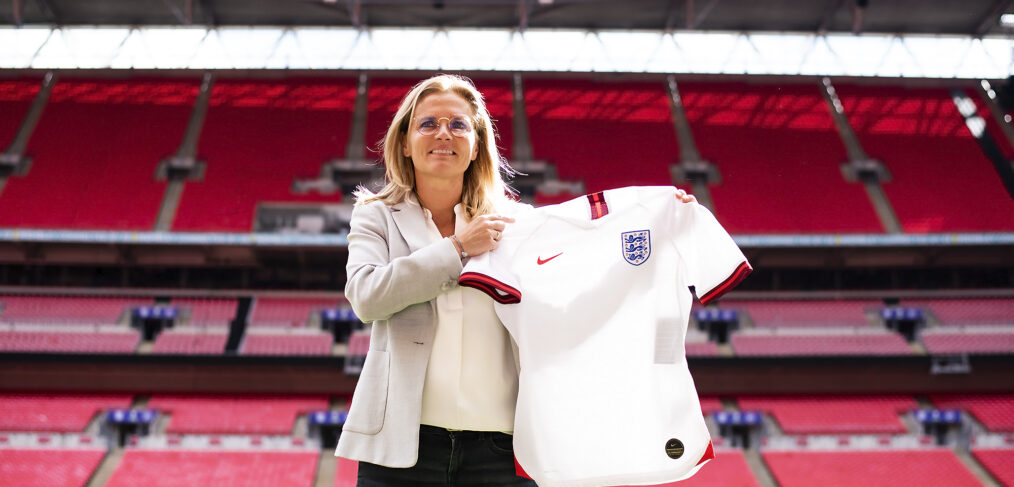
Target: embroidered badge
(636, 246)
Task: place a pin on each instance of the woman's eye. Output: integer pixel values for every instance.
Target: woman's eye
(428, 124)
(458, 125)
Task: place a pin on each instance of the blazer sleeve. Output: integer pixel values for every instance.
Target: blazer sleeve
(378, 285)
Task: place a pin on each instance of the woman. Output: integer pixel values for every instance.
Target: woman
(435, 400)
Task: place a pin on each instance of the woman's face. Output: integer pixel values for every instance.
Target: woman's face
(449, 143)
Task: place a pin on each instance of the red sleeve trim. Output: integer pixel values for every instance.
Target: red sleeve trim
(500, 292)
(730, 282)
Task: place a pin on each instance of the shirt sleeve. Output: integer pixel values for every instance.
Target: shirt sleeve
(491, 272)
(714, 264)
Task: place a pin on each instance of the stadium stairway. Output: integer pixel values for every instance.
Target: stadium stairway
(106, 467)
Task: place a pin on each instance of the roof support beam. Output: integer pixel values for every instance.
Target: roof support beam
(355, 12)
(989, 20)
(16, 10)
(832, 9)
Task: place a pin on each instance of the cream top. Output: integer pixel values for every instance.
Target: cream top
(472, 377)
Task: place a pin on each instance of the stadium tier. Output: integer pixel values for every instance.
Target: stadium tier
(999, 462)
(124, 341)
(16, 97)
(190, 342)
(234, 415)
(802, 342)
(54, 413)
(65, 310)
(701, 349)
(207, 312)
(727, 469)
(606, 134)
(95, 152)
(286, 312)
(992, 411)
(977, 340)
(303, 344)
(48, 467)
(833, 414)
(710, 404)
(778, 154)
(186, 468)
(922, 140)
(968, 311)
(819, 313)
(877, 468)
(259, 136)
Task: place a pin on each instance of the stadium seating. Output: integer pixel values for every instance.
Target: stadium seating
(210, 312)
(710, 404)
(993, 411)
(186, 468)
(65, 310)
(999, 463)
(819, 342)
(286, 312)
(922, 140)
(869, 468)
(975, 339)
(190, 342)
(69, 341)
(778, 154)
(701, 349)
(967, 311)
(258, 137)
(727, 469)
(95, 152)
(54, 413)
(48, 467)
(16, 97)
(234, 415)
(833, 414)
(313, 343)
(345, 472)
(622, 130)
(818, 313)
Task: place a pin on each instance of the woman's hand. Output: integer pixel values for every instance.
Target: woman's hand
(684, 196)
(482, 233)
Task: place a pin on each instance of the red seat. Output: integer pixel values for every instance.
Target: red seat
(999, 462)
(992, 410)
(186, 468)
(876, 468)
(48, 467)
(833, 414)
(62, 413)
(234, 415)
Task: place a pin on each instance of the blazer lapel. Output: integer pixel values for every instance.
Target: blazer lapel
(411, 223)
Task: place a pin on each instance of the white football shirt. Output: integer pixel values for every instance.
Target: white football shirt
(595, 291)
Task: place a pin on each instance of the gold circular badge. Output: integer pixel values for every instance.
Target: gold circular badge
(674, 448)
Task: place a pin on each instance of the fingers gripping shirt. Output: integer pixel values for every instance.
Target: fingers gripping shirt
(595, 291)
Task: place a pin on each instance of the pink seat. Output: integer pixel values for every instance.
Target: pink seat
(171, 342)
(284, 344)
(822, 344)
(187, 468)
(992, 410)
(833, 414)
(48, 467)
(235, 414)
(878, 468)
(968, 341)
(808, 313)
(47, 412)
(999, 462)
(287, 311)
(64, 341)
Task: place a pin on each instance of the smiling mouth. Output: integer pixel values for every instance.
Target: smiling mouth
(443, 152)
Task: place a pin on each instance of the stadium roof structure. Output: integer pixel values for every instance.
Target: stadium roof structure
(974, 18)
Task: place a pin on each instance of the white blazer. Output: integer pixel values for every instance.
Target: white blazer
(394, 276)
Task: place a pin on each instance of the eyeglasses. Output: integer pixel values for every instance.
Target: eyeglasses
(458, 126)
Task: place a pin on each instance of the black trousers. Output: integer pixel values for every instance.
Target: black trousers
(452, 458)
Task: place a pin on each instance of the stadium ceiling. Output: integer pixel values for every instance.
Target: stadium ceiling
(974, 18)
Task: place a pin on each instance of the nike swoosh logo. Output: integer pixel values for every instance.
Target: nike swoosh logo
(541, 261)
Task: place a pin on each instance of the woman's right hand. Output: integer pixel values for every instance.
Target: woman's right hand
(483, 233)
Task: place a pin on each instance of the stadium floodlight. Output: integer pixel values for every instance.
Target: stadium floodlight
(1007, 20)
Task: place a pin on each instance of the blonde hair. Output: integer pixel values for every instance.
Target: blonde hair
(483, 185)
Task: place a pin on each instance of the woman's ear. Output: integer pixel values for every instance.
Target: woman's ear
(404, 146)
